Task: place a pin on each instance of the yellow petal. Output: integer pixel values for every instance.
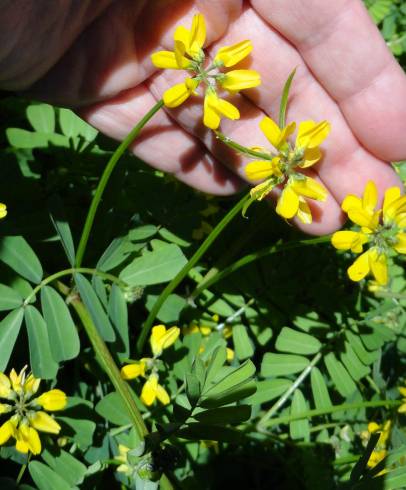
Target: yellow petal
(310, 157)
(231, 55)
(311, 134)
(402, 390)
(261, 169)
(272, 131)
(162, 339)
(237, 80)
(148, 393)
(6, 431)
(373, 427)
(400, 245)
(402, 408)
(395, 209)
(360, 268)
(27, 440)
(5, 386)
(309, 187)
(198, 31)
(214, 108)
(132, 371)
(182, 37)
(379, 266)
(167, 59)
(176, 95)
(362, 218)
(3, 210)
(16, 379)
(31, 385)
(351, 202)
(52, 400)
(288, 203)
(162, 395)
(44, 422)
(303, 212)
(349, 240)
(370, 197)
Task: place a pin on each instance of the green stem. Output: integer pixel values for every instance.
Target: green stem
(184, 271)
(334, 408)
(105, 178)
(109, 366)
(247, 259)
(68, 272)
(243, 149)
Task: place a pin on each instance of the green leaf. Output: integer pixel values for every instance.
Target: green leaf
(217, 360)
(321, 396)
(112, 408)
(9, 298)
(224, 415)
(117, 310)
(23, 139)
(233, 394)
(62, 228)
(170, 311)
(342, 380)
(193, 388)
(284, 100)
(171, 237)
(197, 431)
(353, 364)
(154, 267)
(9, 330)
(269, 389)
(142, 233)
(41, 360)
(242, 342)
(65, 464)
(96, 310)
(365, 356)
(290, 340)
(41, 117)
(282, 364)
(299, 429)
(83, 430)
(45, 478)
(238, 375)
(380, 9)
(114, 254)
(17, 254)
(63, 336)
(72, 126)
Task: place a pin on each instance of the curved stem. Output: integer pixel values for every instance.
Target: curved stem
(210, 279)
(243, 149)
(68, 272)
(105, 178)
(183, 272)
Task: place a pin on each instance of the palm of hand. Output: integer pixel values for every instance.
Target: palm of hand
(345, 75)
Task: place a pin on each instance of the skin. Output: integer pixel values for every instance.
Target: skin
(94, 56)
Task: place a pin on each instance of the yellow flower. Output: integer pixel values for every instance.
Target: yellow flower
(162, 339)
(383, 230)
(402, 408)
(25, 420)
(188, 54)
(282, 168)
(152, 390)
(3, 210)
(380, 451)
(134, 370)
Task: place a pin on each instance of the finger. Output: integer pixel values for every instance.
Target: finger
(347, 54)
(162, 144)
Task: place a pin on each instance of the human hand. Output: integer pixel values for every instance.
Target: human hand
(345, 75)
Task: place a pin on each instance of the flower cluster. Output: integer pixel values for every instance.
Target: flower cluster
(27, 415)
(188, 55)
(284, 166)
(383, 230)
(160, 339)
